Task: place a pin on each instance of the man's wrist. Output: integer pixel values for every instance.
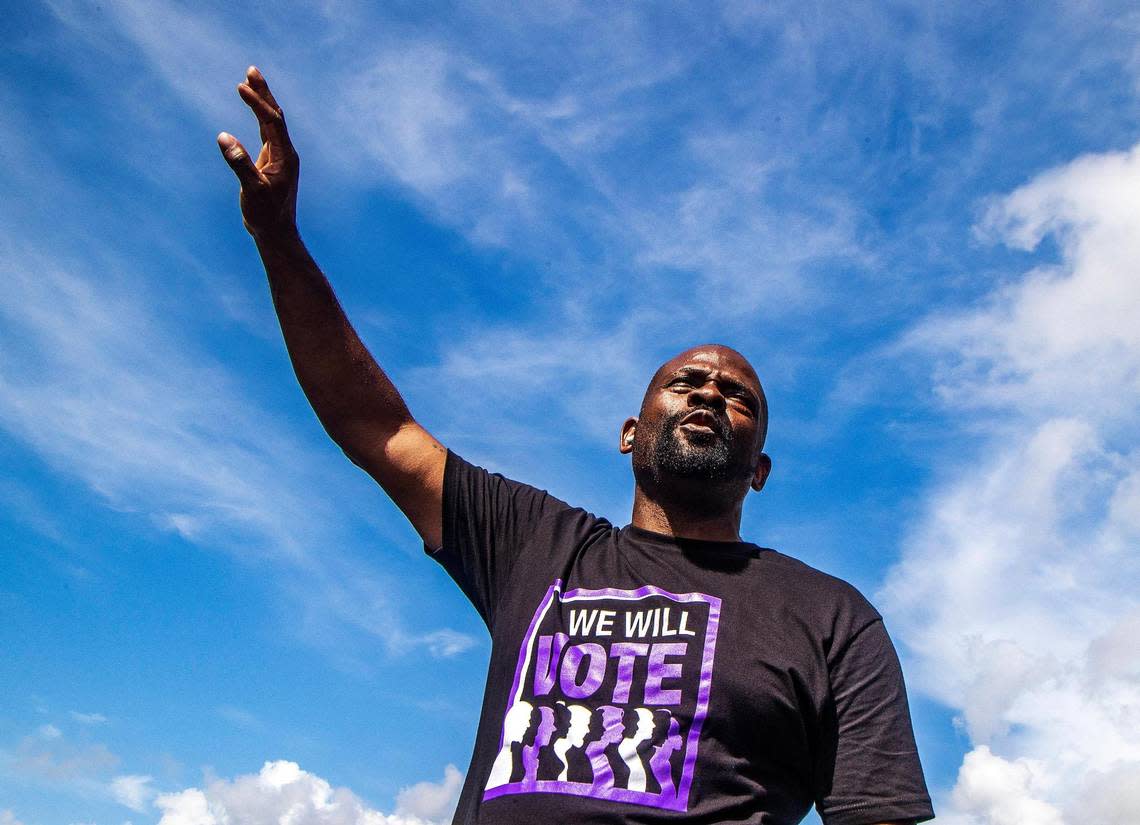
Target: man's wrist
(281, 240)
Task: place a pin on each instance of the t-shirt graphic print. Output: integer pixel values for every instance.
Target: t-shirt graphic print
(609, 695)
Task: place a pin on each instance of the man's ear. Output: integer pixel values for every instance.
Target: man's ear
(763, 468)
(628, 429)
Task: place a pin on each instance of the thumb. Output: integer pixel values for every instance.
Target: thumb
(239, 160)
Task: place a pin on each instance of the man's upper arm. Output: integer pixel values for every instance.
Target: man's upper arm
(408, 464)
(870, 766)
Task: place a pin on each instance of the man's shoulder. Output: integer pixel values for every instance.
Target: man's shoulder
(815, 589)
(459, 470)
(568, 516)
(798, 570)
(548, 508)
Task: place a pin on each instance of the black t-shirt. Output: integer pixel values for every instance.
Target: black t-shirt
(641, 678)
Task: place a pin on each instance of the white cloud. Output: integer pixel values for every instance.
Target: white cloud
(102, 376)
(83, 769)
(96, 383)
(282, 792)
(1001, 792)
(9, 818)
(1111, 796)
(550, 167)
(123, 422)
(56, 760)
(189, 51)
(405, 113)
(133, 791)
(595, 393)
(433, 801)
(239, 716)
(1018, 590)
(537, 167)
(751, 242)
(88, 718)
(1062, 340)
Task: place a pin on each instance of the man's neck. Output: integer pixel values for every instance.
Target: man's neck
(674, 519)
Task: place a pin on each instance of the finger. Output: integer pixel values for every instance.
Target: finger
(269, 118)
(273, 127)
(240, 161)
(266, 112)
(256, 81)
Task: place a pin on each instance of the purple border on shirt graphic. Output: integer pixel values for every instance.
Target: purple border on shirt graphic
(519, 716)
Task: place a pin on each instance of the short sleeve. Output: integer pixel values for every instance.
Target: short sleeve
(868, 769)
(487, 519)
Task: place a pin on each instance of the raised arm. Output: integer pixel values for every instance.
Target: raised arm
(357, 404)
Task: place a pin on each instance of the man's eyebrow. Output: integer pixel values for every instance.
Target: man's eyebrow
(736, 385)
(753, 396)
(693, 370)
(685, 371)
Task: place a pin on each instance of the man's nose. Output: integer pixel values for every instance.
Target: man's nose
(708, 394)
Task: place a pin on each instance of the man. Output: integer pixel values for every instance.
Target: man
(666, 671)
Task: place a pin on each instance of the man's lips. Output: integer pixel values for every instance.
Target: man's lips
(702, 419)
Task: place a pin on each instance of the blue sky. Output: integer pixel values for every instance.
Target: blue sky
(920, 221)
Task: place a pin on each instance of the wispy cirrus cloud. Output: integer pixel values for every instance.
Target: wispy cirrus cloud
(105, 376)
(77, 767)
(658, 217)
(792, 178)
(718, 227)
(46, 756)
(104, 391)
(88, 718)
(553, 165)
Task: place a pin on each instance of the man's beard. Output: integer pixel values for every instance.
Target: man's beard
(698, 456)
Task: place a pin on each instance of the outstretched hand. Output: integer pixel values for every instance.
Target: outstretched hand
(269, 184)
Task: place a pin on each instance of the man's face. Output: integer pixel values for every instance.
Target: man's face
(703, 419)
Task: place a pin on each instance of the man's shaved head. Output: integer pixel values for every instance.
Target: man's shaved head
(714, 354)
(699, 437)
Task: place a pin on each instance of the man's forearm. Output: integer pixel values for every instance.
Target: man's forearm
(356, 403)
(347, 389)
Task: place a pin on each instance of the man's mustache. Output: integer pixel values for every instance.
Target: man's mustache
(721, 425)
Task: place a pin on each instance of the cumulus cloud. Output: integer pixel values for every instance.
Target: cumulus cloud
(282, 792)
(1062, 339)
(1001, 792)
(9, 818)
(431, 800)
(1017, 592)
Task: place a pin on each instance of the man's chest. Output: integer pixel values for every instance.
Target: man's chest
(637, 685)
